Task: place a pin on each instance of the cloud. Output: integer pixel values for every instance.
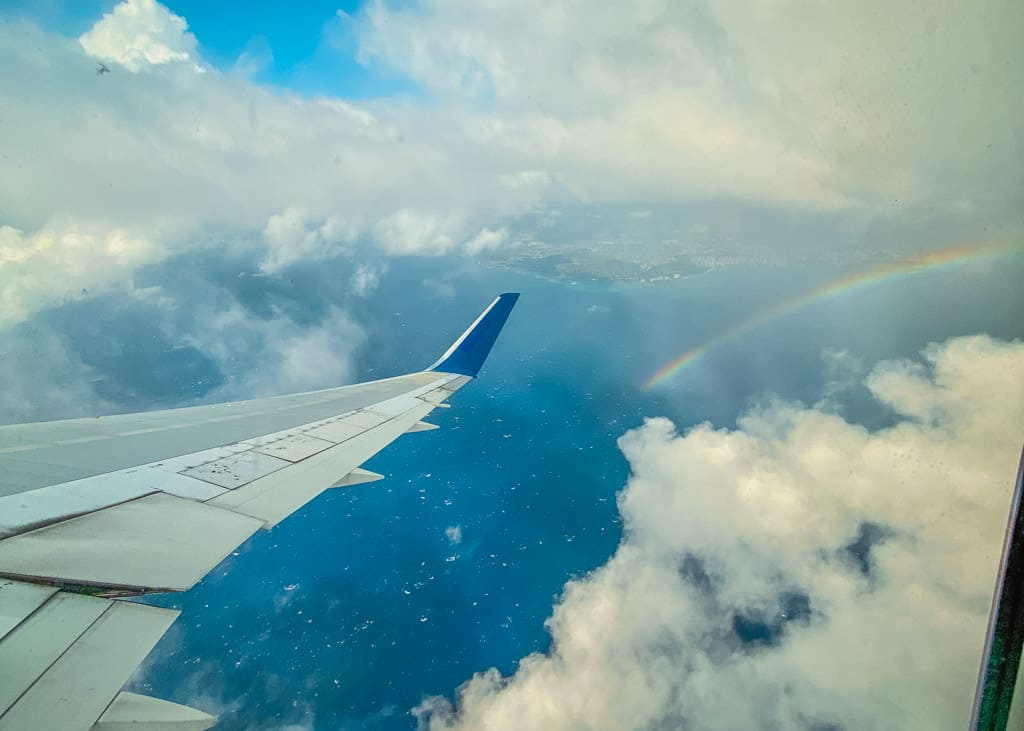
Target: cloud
(45, 379)
(428, 233)
(291, 357)
(780, 103)
(519, 108)
(486, 239)
(257, 57)
(187, 161)
(443, 288)
(291, 235)
(59, 261)
(195, 328)
(418, 232)
(284, 598)
(454, 534)
(797, 572)
(366, 279)
(205, 687)
(140, 33)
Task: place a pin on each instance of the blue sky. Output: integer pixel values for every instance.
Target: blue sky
(310, 44)
(306, 47)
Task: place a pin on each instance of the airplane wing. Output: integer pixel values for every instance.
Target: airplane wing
(96, 510)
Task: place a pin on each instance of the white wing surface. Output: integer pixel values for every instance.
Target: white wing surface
(93, 510)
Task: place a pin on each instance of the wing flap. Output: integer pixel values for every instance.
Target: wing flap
(40, 640)
(157, 542)
(106, 653)
(18, 600)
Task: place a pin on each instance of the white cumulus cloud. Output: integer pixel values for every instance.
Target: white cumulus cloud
(410, 231)
(292, 358)
(57, 262)
(140, 33)
(293, 235)
(486, 239)
(747, 533)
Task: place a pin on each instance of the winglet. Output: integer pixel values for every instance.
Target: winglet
(469, 352)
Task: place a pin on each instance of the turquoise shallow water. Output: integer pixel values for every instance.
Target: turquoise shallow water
(371, 598)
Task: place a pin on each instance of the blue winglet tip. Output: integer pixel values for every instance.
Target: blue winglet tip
(467, 354)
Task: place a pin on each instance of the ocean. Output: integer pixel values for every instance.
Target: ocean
(371, 598)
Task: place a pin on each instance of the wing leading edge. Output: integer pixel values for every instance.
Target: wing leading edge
(96, 509)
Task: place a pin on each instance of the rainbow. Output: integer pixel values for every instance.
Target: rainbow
(851, 283)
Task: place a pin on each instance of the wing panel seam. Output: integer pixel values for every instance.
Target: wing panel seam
(56, 659)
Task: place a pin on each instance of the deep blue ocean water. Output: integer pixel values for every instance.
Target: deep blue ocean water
(361, 604)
